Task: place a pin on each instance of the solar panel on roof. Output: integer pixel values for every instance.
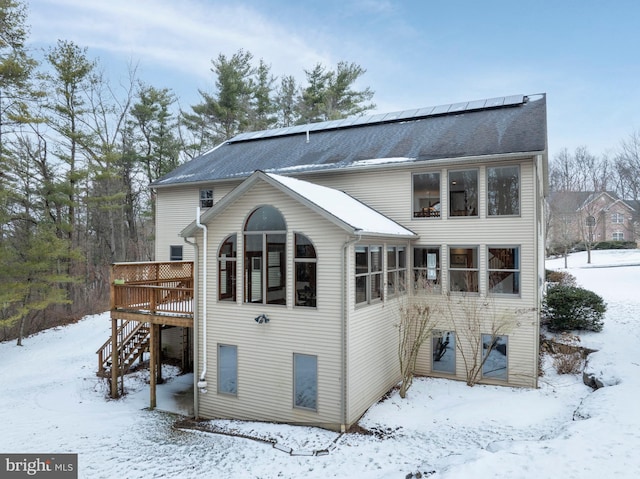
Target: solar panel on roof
(384, 117)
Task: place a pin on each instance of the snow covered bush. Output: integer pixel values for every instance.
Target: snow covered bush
(567, 308)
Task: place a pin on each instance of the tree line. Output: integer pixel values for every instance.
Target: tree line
(77, 156)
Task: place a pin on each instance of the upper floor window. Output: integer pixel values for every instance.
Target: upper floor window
(504, 270)
(227, 260)
(463, 269)
(426, 267)
(617, 218)
(426, 195)
(305, 271)
(618, 236)
(265, 236)
(175, 253)
(503, 190)
(368, 274)
(396, 270)
(206, 198)
(463, 193)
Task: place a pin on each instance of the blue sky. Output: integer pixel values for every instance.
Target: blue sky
(583, 54)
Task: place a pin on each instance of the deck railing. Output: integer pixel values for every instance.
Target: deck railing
(164, 288)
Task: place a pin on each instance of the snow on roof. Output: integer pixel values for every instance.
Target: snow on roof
(345, 208)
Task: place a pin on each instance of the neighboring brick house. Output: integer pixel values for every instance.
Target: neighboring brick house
(587, 216)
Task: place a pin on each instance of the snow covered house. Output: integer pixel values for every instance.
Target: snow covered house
(306, 240)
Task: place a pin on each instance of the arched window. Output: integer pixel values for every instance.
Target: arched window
(265, 240)
(305, 271)
(227, 258)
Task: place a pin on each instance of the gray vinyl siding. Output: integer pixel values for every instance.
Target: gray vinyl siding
(265, 351)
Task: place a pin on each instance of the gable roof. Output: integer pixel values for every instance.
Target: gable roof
(336, 206)
(499, 126)
(574, 201)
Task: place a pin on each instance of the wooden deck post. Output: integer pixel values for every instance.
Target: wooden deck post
(159, 380)
(153, 350)
(114, 358)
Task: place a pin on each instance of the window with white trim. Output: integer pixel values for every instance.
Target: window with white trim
(426, 268)
(463, 269)
(396, 270)
(463, 193)
(305, 271)
(305, 381)
(265, 237)
(503, 270)
(206, 198)
(426, 195)
(503, 190)
(227, 369)
(175, 253)
(495, 356)
(368, 274)
(227, 261)
(618, 236)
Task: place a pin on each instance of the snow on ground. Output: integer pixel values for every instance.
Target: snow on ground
(52, 402)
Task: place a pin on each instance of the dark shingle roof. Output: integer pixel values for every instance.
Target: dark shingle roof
(486, 127)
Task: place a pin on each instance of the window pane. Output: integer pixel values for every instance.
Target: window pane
(304, 248)
(362, 265)
(402, 257)
(463, 269)
(266, 218)
(253, 268)
(228, 248)
(175, 253)
(376, 259)
(276, 270)
(426, 267)
(376, 286)
(495, 365)
(463, 193)
(426, 195)
(391, 257)
(306, 284)
(305, 381)
(206, 198)
(503, 190)
(504, 274)
(227, 369)
(444, 351)
(361, 289)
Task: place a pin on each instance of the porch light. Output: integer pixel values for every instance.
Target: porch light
(262, 319)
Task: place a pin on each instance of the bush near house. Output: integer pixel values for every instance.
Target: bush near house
(567, 308)
(560, 278)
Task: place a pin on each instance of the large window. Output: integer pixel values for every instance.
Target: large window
(368, 274)
(463, 269)
(206, 198)
(463, 193)
(396, 270)
(265, 257)
(305, 270)
(227, 259)
(426, 195)
(227, 369)
(503, 190)
(305, 381)
(426, 267)
(443, 346)
(494, 356)
(504, 270)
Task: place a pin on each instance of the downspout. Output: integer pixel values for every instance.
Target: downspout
(345, 313)
(202, 383)
(196, 298)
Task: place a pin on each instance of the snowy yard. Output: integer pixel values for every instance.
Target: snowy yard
(52, 402)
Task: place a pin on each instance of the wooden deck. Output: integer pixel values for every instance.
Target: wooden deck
(153, 292)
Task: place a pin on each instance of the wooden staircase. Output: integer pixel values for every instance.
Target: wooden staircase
(133, 341)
